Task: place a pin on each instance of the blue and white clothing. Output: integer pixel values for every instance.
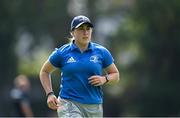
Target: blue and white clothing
(76, 67)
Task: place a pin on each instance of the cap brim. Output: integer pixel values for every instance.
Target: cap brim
(91, 25)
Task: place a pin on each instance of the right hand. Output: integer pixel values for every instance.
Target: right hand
(53, 102)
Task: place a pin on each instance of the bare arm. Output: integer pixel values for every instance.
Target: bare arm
(113, 75)
(45, 78)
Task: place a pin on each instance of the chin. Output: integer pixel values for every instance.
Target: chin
(86, 40)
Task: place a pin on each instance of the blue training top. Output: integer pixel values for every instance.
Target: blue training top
(77, 67)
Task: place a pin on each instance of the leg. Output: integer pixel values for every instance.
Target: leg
(68, 110)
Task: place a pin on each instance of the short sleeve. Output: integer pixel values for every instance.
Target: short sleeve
(108, 59)
(55, 58)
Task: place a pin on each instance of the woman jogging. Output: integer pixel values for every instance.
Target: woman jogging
(81, 63)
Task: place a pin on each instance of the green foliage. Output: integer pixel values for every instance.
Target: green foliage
(154, 26)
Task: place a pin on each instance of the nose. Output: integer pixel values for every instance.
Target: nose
(85, 31)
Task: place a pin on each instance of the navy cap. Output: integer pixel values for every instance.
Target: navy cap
(79, 20)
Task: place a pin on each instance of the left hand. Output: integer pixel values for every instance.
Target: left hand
(53, 102)
(97, 80)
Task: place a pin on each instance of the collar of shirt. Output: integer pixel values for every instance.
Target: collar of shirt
(74, 46)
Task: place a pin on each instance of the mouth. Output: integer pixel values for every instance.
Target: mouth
(85, 37)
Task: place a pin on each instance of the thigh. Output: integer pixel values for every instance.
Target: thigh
(94, 110)
(68, 110)
(90, 110)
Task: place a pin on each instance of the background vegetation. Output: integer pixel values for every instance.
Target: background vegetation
(143, 36)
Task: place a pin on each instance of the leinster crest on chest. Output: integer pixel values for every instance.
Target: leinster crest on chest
(94, 58)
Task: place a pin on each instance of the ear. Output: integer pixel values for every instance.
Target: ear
(72, 33)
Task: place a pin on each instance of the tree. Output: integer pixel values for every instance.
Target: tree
(152, 27)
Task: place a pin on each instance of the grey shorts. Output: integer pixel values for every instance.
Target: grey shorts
(71, 109)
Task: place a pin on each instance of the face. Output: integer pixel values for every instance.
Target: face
(82, 34)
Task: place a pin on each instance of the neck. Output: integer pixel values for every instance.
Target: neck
(82, 47)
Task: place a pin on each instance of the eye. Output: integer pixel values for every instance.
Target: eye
(88, 28)
(80, 28)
